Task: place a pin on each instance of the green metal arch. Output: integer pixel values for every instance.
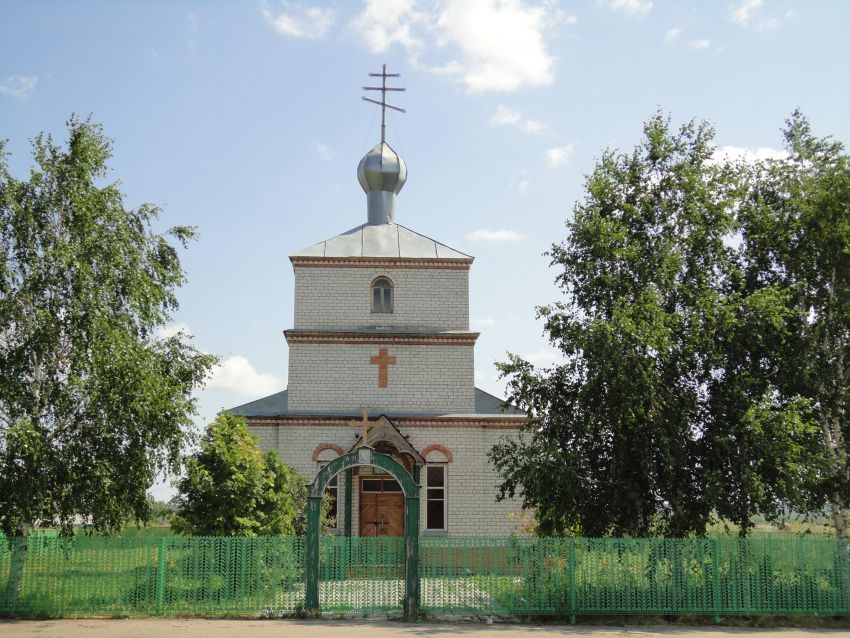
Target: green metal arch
(364, 456)
(409, 484)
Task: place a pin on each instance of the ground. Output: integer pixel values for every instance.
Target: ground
(203, 628)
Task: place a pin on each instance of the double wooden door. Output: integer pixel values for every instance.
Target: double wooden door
(381, 507)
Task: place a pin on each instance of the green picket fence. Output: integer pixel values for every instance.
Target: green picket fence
(148, 575)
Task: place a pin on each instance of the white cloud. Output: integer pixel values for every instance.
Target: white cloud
(236, 374)
(298, 21)
(172, 329)
(505, 116)
(739, 153)
(673, 34)
(521, 182)
(637, 8)
(485, 322)
(751, 12)
(193, 30)
(491, 45)
(559, 155)
(545, 357)
(324, 151)
(19, 86)
(502, 44)
(500, 235)
(744, 12)
(383, 23)
(701, 43)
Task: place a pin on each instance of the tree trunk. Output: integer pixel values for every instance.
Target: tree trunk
(839, 518)
(838, 503)
(832, 423)
(18, 547)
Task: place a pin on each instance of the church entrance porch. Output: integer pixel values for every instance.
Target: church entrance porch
(381, 507)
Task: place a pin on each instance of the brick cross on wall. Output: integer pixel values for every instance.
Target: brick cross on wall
(383, 361)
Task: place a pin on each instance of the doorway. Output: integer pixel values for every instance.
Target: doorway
(381, 507)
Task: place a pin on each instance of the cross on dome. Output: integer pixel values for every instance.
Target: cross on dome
(382, 172)
(383, 103)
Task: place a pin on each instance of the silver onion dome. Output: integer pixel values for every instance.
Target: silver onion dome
(381, 173)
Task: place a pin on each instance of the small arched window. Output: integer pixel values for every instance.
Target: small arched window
(382, 295)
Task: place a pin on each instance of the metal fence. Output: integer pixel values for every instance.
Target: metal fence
(568, 577)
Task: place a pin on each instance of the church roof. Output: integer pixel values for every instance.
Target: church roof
(381, 240)
(277, 405)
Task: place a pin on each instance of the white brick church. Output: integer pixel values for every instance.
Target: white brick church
(382, 324)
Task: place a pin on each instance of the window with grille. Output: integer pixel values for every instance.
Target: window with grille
(435, 506)
(382, 295)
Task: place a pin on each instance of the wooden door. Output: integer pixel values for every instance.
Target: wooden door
(381, 512)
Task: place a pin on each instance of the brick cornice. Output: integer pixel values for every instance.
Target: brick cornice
(483, 422)
(388, 338)
(382, 262)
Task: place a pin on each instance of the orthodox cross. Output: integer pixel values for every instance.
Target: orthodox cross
(362, 424)
(383, 103)
(383, 361)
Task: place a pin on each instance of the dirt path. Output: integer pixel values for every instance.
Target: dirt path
(202, 628)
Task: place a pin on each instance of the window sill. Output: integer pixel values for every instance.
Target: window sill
(435, 532)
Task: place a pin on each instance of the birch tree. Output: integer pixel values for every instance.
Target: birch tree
(93, 403)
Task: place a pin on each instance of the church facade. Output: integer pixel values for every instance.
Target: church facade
(381, 348)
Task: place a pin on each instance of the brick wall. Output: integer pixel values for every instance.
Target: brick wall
(328, 298)
(425, 378)
(472, 482)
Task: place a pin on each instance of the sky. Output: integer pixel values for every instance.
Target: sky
(245, 119)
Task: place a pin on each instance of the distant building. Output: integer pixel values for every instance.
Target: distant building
(382, 323)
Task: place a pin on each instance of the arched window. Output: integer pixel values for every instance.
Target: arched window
(382, 295)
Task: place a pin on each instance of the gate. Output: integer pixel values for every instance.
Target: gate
(362, 574)
(346, 558)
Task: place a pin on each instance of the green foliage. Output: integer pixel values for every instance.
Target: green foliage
(671, 403)
(92, 402)
(160, 511)
(232, 489)
(795, 225)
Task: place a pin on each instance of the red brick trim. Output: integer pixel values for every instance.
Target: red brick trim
(404, 263)
(460, 423)
(436, 447)
(327, 446)
(394, 339)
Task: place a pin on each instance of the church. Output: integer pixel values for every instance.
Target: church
(380, 349)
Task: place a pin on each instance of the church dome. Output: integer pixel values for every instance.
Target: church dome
(381, 173)
(382, 169)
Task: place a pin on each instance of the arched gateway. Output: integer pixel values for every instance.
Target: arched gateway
(365, 455)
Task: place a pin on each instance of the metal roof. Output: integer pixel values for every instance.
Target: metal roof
(277, 405)
(381, 240)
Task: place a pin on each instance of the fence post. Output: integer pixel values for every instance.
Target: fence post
(715, 578)
(160, 577)
(571, 576)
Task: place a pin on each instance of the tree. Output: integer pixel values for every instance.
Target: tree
(795, 226)
(160, 511)
(654, 420)
(93, 404)
(232, 489)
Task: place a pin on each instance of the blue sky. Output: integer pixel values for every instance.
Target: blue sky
(245, 119)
